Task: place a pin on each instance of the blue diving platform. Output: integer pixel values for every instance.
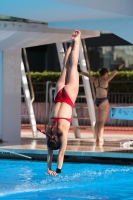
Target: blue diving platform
(123, 113)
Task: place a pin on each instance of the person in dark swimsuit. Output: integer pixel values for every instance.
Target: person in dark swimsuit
(65, 95)
(98, 101)
(101, 102)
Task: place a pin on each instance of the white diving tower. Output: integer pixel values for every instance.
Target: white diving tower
(13, 37)
(62, 16)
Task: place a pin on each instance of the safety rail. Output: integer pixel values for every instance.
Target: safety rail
(28, 96)
(29, 76)
(88, 67)
(41, 106)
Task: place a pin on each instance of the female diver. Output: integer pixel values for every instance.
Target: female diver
(65, 95)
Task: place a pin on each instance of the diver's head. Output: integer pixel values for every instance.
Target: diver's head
(53, 142)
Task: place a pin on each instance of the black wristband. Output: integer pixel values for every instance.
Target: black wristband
(58, 171)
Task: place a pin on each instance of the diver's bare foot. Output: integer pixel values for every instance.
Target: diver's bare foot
(76, 36)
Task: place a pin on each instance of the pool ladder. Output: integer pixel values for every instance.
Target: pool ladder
(28, 98)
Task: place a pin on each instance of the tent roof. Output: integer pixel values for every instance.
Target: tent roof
(115, 16)
(21, 34)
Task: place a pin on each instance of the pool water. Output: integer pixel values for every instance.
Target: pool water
(27, 180)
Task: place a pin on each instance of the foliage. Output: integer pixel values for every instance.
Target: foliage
(121, 83)
(45, 76)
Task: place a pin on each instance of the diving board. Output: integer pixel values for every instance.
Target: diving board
(124, 113)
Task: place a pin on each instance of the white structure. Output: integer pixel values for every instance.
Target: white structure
(13, 37)
(115, 16)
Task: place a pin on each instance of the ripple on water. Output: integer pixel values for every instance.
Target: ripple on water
(88, 181)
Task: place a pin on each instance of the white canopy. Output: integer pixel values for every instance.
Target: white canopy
(115, 16)
(19, 35)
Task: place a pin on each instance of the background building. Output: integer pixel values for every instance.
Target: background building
(108, 51)
(34, 23)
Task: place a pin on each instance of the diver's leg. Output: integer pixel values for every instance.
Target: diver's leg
(62, 79)
(72, 85)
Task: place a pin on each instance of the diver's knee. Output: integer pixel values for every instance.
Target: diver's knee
(62, 128)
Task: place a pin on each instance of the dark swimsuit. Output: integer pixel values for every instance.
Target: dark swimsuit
(62, 96)
(98, 101)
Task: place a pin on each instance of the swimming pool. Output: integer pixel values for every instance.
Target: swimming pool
(27, 180)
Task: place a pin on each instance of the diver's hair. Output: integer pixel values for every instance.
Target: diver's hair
(103, 71)
(53, 142)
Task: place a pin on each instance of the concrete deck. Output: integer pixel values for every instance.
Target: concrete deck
(84, 149)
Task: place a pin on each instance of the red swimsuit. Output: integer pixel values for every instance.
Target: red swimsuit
(62, 96)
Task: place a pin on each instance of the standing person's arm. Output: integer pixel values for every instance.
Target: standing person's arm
(111, 76)
(92, 78)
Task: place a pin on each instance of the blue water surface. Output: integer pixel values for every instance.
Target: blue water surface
(27, 180)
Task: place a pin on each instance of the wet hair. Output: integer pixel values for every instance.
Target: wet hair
(53, 139)
(103, 71)
(53, 142)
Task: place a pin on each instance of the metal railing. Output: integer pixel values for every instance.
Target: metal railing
(88, 67)
(29, 76)
(43, 102)
(121, 98)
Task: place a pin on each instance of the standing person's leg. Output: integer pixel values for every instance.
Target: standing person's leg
(104, 109)
(97, 113)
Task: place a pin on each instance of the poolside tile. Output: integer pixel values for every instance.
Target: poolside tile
(84, 146)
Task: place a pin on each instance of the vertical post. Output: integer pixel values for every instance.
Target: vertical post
(75, 124)
(1, 78)
(28, 100)
(47, 106)
(11, 96)
(87, 88)
(88, 66)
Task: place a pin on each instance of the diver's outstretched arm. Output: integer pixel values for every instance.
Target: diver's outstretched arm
(49, 162)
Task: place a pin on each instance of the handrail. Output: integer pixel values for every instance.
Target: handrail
(49, 96)
(29, 76)
(88, 67)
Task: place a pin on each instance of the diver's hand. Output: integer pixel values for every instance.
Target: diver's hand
(51, 173)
